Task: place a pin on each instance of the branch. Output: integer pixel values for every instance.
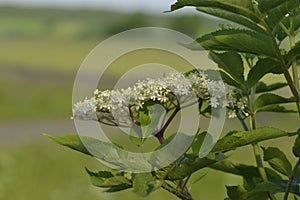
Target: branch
(291, 179)
(286, 72)
(180, 195)
(245, 127)
(160, 134)
(113, 123)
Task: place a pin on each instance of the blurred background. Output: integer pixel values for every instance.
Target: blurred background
(42, 44)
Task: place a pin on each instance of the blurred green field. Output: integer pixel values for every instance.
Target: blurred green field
(40, 52)
(47, 46)
(46, 171)
(37, 76)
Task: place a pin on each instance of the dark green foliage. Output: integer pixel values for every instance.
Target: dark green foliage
(143, 184)
(262, 87)
(225, 40)
(236, 192)
(296, 147)
(270, 102)
(277, 160)
(240, 7)
(242, 138)
(231, 62)
(106, 179)
(232, 17)
(261, 68)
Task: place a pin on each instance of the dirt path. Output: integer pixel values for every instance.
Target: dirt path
(28, 130)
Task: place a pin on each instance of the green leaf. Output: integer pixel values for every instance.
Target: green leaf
(213, 74)
(206, 111)
(117, 188)
(277, 108)
(249, 173)
(259, 192)
(264, 187)
(198, 143)
(196, 180)
(107, 152)
(106, 179)
(238, 40)
(270, 101)
(283, 183)
(276, 14)
(243, 138)
(167, 153)
(262, 87)
(240, 7)
(293, 53)
(280, 33)
(227, 166)
(149, 118)
(258, 196)
(72, 141)
(231, 62)
(236, 192)
(232, 17)
(221, 75)
(266, 5)
(143, 184)
(228, 80)
(296, 147)
(261, 68)
(144, 118)
(188, 166)
(136, 136)
(277, 160)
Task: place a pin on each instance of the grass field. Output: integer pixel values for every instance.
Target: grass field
(46, 171)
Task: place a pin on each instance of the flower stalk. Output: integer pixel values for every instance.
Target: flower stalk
(256, 146)
(295, 73)
(291, 179)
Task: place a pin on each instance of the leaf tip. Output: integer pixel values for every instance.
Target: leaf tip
(51, 137)
(88, 171)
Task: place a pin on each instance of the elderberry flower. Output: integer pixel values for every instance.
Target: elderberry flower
(231, 114)
(85, 109)
(178, 84)
(214, 102)
(219, 94)
(199, 84)
(122, 105)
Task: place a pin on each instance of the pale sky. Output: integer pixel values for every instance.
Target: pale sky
(156, 6)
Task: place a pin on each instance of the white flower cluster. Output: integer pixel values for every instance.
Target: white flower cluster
(85, 109)
(121, 105)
